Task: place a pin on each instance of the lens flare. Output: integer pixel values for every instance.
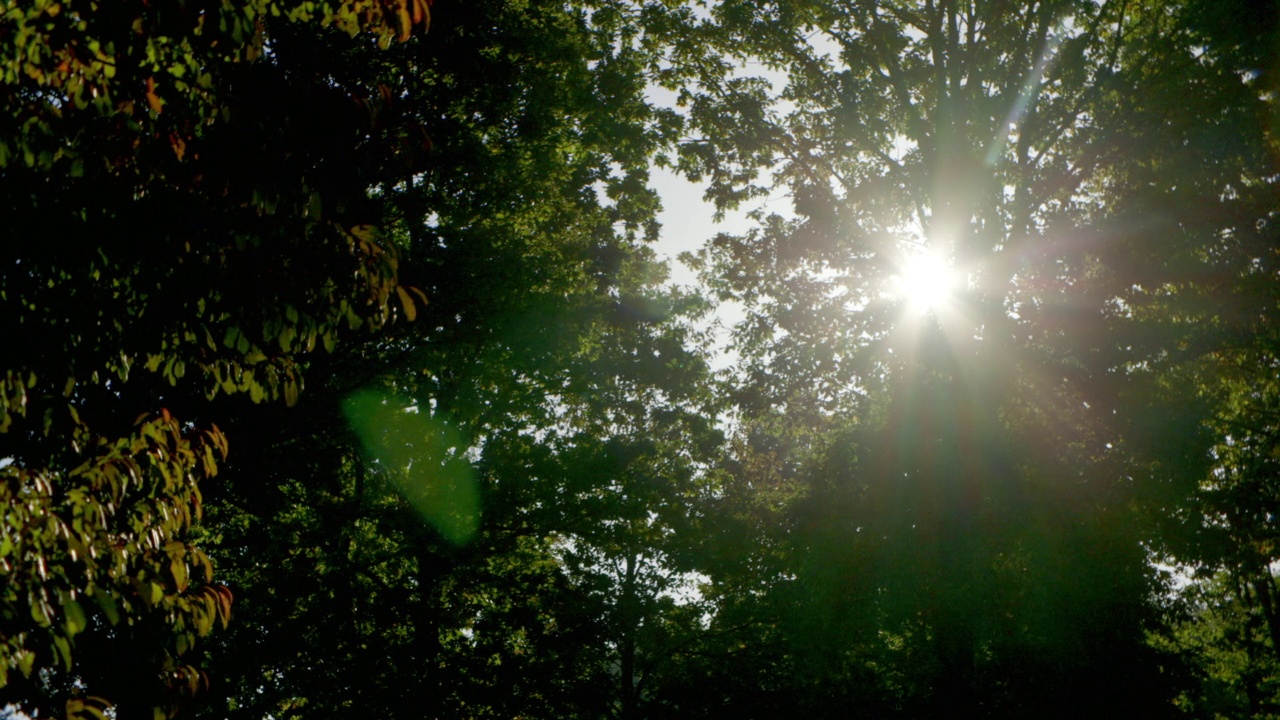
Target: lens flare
(419, 455)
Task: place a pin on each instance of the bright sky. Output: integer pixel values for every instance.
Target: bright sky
(687, 224)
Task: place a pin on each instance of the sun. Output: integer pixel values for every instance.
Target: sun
(925, 282)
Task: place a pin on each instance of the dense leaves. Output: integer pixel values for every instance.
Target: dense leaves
(160, 255)
(546, 341)
(978, 478)
(513, 487)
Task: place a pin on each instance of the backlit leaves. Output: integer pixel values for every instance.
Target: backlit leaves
(154, 270)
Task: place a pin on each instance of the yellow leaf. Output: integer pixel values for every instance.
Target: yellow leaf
(406, 22)
(410, 311)
(422, 13)
(95, 710)
(152, 99)
(178, 568)
(366, 233)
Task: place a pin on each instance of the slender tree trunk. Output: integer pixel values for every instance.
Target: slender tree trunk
(628, 617)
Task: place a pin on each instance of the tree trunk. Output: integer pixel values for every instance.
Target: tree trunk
(628, 619)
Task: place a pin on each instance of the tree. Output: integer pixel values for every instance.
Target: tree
(504, 468)
(1225, 641)
(634, 512)
(546, 331)
(977, 475)
(185, 219)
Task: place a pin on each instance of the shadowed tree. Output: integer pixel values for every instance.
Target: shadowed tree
(184, 219)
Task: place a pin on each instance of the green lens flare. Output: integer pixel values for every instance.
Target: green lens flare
(422, 457)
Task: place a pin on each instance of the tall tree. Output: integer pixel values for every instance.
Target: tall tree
(547, 335)
(975, 528)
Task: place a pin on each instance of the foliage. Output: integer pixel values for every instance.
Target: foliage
(1226, 642)
(179, 228)
(516, 499)
(976, 481)
(547, 335)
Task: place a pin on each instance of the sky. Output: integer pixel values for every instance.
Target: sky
(687, 224)
(687, 221)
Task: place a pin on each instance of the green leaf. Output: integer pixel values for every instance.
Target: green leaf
(40, 613)
(178, 568)
(152, 593)
(62, 651)
(76, 621)
(26, 662)
(108, 605)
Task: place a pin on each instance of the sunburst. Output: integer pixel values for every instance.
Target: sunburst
(926, 282)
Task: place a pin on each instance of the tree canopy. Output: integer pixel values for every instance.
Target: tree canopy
(339, 376)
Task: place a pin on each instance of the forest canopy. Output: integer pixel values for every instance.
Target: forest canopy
(340, 378)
